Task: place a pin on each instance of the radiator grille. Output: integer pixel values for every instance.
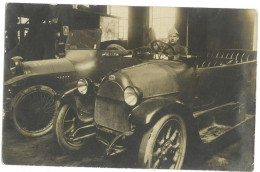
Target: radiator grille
(112, 114)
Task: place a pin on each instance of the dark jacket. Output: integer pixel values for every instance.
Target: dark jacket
(181, 50)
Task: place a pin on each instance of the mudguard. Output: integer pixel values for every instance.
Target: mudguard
(55, 81)
(19, 78)
(154, 108)
(65, 98)
(77, 101)
(151, 110)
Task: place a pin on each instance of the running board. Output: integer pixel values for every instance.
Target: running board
(214, 131)
(203, 112)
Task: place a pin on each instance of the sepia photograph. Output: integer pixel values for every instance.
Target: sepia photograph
(133, 87)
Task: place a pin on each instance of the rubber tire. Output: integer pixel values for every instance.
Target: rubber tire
(15, 102)
(115, 47)
(150, 136)
(60, 114)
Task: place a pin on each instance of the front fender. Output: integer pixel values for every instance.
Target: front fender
(70, 96)
(151, 110)
(154, 108)
(54, 80)
(68, 99)
(18, 79)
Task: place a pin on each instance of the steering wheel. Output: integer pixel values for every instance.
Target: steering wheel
(161, 47)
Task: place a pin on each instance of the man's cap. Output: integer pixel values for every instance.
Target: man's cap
(173, 30)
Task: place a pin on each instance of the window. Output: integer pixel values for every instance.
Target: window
(21, 33)
(122, 13)
(161, 19)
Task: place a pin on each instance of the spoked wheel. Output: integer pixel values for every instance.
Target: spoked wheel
(164, 145)
(33, 110)
(65, 127)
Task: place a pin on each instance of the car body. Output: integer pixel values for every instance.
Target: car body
(33, 84)
(161, 107)
(165, 105)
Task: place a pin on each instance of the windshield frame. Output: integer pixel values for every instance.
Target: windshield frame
(97, 32)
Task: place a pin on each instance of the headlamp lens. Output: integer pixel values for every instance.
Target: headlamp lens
(83, 86)
(130, 96)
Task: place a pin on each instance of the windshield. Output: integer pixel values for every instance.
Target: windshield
(83, 39)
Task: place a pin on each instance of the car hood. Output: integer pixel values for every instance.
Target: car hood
(151, 78)
(48, 66)
(80, 61)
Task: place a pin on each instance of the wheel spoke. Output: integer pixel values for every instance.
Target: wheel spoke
(42, 97)
(48, 102)
(176, 156)
(156, 163)
(176, 146)
(157, 152)
(67, 121)
(161, 141)
(49, 109)
(172, 166)
(68, 130)
(167, 136)
(174, 135)
(33, 98)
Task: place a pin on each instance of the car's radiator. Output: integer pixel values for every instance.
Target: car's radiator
(112, 114)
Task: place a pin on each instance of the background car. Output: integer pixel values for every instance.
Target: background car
(29, 94)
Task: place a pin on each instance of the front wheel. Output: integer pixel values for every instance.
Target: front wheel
(33, 110)
(164, 145)
(65, 124)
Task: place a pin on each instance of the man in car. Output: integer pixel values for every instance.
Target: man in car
(172, 50)
(173, 37)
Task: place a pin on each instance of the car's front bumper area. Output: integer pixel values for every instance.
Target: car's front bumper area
(115, 142)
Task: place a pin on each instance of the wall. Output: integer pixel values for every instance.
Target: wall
(221, 29)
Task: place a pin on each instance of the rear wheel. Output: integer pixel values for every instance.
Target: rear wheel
(164, 145)
(33, 110)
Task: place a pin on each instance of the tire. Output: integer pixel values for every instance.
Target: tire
(164, 144)
(63, 114)
(33, 110)
(115, 47)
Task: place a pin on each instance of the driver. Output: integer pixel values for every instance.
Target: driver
(173, 37)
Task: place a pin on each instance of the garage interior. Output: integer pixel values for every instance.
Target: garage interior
(37, 32)
(200, 29)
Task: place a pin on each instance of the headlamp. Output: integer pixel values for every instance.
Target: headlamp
(82, 86)
(16, 65)
(131, 96)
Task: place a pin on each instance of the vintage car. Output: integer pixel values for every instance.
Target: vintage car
(29, 93)
(161, 106)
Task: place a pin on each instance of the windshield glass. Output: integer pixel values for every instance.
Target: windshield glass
(83, 39)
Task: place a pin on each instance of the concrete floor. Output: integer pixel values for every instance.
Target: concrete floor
(234, 151)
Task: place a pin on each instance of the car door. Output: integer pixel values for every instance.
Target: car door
(228, 81)
(239, 82)
(207, 87)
